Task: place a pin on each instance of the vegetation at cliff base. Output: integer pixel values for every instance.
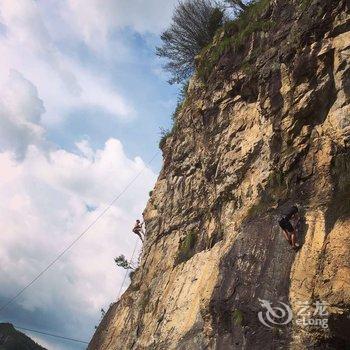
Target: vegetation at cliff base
(237, 317)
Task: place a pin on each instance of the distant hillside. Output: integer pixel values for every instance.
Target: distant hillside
(11, 339)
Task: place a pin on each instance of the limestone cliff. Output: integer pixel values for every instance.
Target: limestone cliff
(262, 127)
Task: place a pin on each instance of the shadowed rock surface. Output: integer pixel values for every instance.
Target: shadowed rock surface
(267, 127)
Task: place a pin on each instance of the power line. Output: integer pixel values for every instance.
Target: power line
(51, 335)
(21, 291)
(73, 339)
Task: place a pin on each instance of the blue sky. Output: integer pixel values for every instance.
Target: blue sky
(139, 79)
(82, 99)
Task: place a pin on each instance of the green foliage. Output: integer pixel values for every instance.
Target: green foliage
(186, 248)
(182, 98)
(237, 317)
(248, 68)
(122, 262)
(248, 65)
(164, 134)
(183, 92)
(233, 36)
(177, 111)
(150, 193)
(193, 26)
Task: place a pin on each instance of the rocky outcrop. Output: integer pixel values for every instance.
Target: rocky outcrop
(11, 339)
(247, 144)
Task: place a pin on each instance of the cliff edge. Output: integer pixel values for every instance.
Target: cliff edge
(265, 124)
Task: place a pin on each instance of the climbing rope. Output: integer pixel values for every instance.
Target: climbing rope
(127, 270)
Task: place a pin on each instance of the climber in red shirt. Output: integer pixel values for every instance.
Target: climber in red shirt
(138, 229)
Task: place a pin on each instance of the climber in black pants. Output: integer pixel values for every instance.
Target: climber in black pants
(288, 228)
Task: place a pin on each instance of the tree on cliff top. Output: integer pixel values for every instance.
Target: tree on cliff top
(193, 26)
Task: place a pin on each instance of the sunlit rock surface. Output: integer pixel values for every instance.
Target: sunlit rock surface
(246, 146)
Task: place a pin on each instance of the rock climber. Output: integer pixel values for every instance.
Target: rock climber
(288, 223)
(138, 229)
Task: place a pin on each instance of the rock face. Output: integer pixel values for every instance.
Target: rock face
(245, 146)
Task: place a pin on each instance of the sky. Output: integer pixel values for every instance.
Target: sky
(82, 100)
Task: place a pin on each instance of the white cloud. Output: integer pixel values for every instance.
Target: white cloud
(25, 27)
(20, 114)
(98, 92)
(30, 48)
(95, 20)
(47, 201)
(49, 195)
